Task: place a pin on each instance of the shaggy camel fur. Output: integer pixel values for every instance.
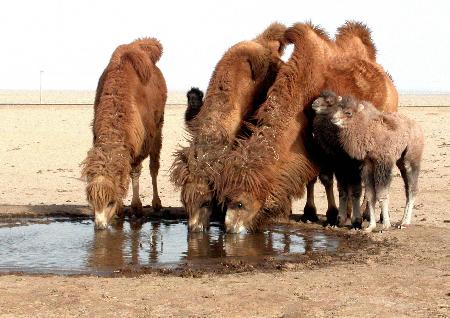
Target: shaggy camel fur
(380, 140)
(238, 85)
(194, 104)
(128, 119)
(264, 172)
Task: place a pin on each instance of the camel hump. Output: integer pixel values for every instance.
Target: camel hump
(141, 54)
(360, 30)
(141, 63)
(274, 32)
(299, 31)
(151, 46)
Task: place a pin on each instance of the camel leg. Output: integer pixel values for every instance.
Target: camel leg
(370, 197)
(383, 198)
(410, 175)
(365, 208)
(356, 197)
(136, 204)
(343, 199)
(382, 178)
(154, 168)
(310, 211)
(349, 208)
(332, 210)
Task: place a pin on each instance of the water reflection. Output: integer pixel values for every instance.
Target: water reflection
(74, 246)
(168, 242)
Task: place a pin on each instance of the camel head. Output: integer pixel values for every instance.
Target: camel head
(194, 104)
(197, 199)
(347, 112)
(190, 173)
(326, 103)
(244, 185)
(102, 197)
(242, 211)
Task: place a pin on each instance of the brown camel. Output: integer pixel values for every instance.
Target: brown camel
(264, 172)
(238, 85)
(128, 119)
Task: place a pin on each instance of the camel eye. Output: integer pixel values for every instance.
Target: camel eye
(205, 204)
(239, 205)
(349, 114)
(110, 204)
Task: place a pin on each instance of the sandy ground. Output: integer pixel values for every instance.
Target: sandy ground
(408, 276)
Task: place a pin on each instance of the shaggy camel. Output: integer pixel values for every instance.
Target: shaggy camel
(194, 104)
(128, 119)
(380, 140)
(264, 172)
(238, 85)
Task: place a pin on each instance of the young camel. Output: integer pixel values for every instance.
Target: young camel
(194, 104)
(128, 119)
(238, 85)
(380, 140)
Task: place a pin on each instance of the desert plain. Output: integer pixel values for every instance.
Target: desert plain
(405, 274)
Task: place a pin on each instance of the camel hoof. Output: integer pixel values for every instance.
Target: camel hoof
(357, 223)
(386, 227)
(156, 204)
(120, 213)
(369, 229)
(401, 226)
(137, 210)
(332, 216)
(340, 221)
(309, 214)
(366, 216)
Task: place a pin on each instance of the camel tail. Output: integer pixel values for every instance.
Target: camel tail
(360, 30)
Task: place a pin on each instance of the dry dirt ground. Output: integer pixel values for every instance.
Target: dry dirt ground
(405, 274)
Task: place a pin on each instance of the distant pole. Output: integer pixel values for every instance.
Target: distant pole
(40, 87)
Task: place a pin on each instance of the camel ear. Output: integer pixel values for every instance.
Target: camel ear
(360, 107)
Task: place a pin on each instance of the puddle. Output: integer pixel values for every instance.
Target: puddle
(72, 246)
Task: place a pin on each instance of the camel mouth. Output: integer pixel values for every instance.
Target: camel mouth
(338, 122)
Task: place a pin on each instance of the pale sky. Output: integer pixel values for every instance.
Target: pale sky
(72, 41)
